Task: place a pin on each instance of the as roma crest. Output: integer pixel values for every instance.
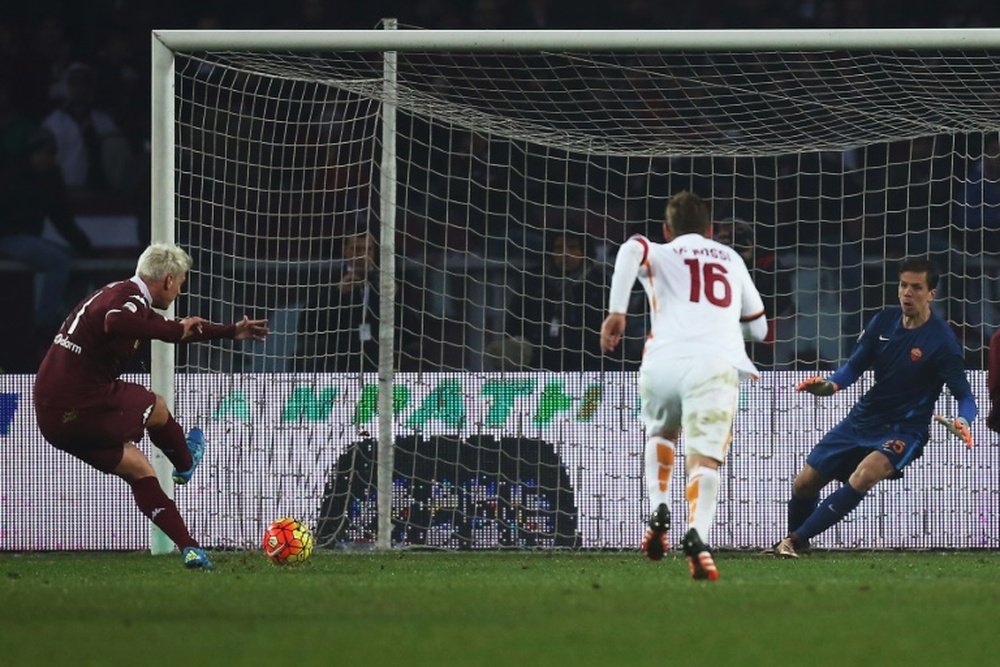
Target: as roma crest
(895, 446)
(915, 354)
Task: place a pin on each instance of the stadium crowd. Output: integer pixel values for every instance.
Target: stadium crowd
(75, 147)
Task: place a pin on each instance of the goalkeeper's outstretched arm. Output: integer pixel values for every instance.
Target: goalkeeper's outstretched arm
(958, 427)
(860, 360)
(953, 371)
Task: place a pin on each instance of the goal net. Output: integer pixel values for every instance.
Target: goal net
(488, 179)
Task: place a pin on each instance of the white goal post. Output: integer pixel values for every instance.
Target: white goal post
(825, 154)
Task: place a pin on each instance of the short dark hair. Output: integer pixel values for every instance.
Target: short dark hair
(687, 213)
(921, 265)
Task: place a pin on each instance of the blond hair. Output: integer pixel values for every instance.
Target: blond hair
(161, 260)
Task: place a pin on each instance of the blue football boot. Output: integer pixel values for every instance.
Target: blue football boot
(196, 445)
(195, 558)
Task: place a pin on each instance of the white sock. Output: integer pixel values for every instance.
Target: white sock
(702, 496)
(659, 457)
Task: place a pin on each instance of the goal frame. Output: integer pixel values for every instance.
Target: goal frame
(167, 43)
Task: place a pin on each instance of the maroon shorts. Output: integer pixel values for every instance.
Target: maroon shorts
(96, 428)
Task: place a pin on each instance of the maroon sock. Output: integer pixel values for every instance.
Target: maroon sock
(170, 440)
(162, 511)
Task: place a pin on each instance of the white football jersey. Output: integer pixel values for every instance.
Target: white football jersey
(698, 290)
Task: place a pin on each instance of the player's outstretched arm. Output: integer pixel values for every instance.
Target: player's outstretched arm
(193, 326)
(958, 427)
(818, 386)
(247, 328)
(199, 329)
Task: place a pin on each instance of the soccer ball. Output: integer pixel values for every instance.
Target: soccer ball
(288, 541)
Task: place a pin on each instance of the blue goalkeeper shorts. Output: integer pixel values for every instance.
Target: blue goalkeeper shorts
(844, 446)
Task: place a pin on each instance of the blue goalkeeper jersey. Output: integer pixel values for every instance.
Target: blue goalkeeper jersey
(911, 366)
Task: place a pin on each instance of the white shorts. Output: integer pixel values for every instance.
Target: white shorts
(697, 394)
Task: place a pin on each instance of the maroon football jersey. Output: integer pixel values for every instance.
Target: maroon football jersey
(96, 341)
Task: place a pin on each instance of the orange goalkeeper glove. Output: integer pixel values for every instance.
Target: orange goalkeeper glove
(817, 386)
(957, 427)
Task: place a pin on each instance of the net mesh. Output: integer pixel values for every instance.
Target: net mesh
(518, 175)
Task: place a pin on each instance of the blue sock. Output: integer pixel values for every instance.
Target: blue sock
(799, 510)
(834, 507)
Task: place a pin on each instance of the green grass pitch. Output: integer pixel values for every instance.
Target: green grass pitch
(521, 608)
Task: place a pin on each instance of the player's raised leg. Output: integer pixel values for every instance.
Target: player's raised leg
(184, 452)
(195, 443)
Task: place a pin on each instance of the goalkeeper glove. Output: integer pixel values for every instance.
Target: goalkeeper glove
(957, 427)
(817, 386)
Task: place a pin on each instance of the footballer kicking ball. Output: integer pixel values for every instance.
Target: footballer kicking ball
(288, 541)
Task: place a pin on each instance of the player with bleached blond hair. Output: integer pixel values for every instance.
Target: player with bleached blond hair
(86, 410)
(703, 306)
